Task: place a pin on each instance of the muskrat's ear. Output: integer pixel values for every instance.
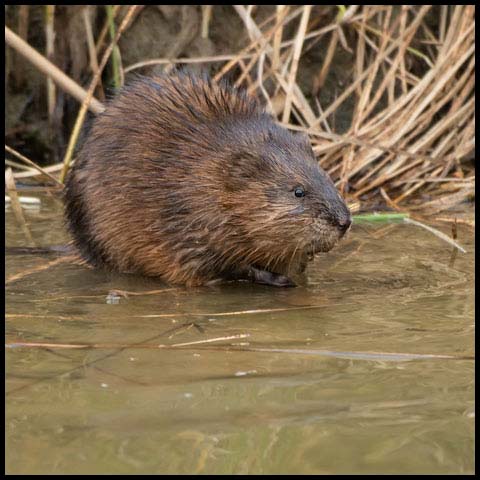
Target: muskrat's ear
(243, 168)
(303, 137)
(304, 141)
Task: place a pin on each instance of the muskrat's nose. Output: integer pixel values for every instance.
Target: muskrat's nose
(344, 224)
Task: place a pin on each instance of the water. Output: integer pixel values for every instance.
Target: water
(293, 387)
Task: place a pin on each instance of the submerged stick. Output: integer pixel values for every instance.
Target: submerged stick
(353, 355)
(39, 268)
(238, 312)
(118, 345)
(382, 356)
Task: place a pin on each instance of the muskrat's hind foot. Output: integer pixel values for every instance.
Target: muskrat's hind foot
(255, 275)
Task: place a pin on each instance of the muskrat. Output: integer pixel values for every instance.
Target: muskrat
(190, 180)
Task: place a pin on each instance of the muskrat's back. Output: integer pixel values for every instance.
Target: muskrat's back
(191, 181)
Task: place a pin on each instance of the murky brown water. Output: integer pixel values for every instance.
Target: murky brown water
(298, 392)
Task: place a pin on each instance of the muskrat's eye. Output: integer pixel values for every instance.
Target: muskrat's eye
(299, 192)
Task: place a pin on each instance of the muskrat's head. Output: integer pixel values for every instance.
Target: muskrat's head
(284, 203)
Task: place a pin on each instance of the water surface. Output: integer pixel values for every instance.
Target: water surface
(291, 381)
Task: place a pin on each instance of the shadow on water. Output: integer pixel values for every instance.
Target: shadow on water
(365, 368)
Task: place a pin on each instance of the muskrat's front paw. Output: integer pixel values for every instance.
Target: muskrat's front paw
(272, 279)
(282, 281)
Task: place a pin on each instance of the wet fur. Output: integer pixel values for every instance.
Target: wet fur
(192, 181)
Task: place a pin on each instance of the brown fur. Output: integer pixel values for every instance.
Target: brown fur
(189, 180)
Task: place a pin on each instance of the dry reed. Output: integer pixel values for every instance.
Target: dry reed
(409, 132)
(411, 92)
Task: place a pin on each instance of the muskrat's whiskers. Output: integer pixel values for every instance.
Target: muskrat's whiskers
(293, 254)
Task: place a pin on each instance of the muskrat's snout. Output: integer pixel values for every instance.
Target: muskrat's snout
(344, 225)
(330, 227)
(339, 216)
(343, 221)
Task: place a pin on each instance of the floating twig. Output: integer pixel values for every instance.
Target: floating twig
(379, 217)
